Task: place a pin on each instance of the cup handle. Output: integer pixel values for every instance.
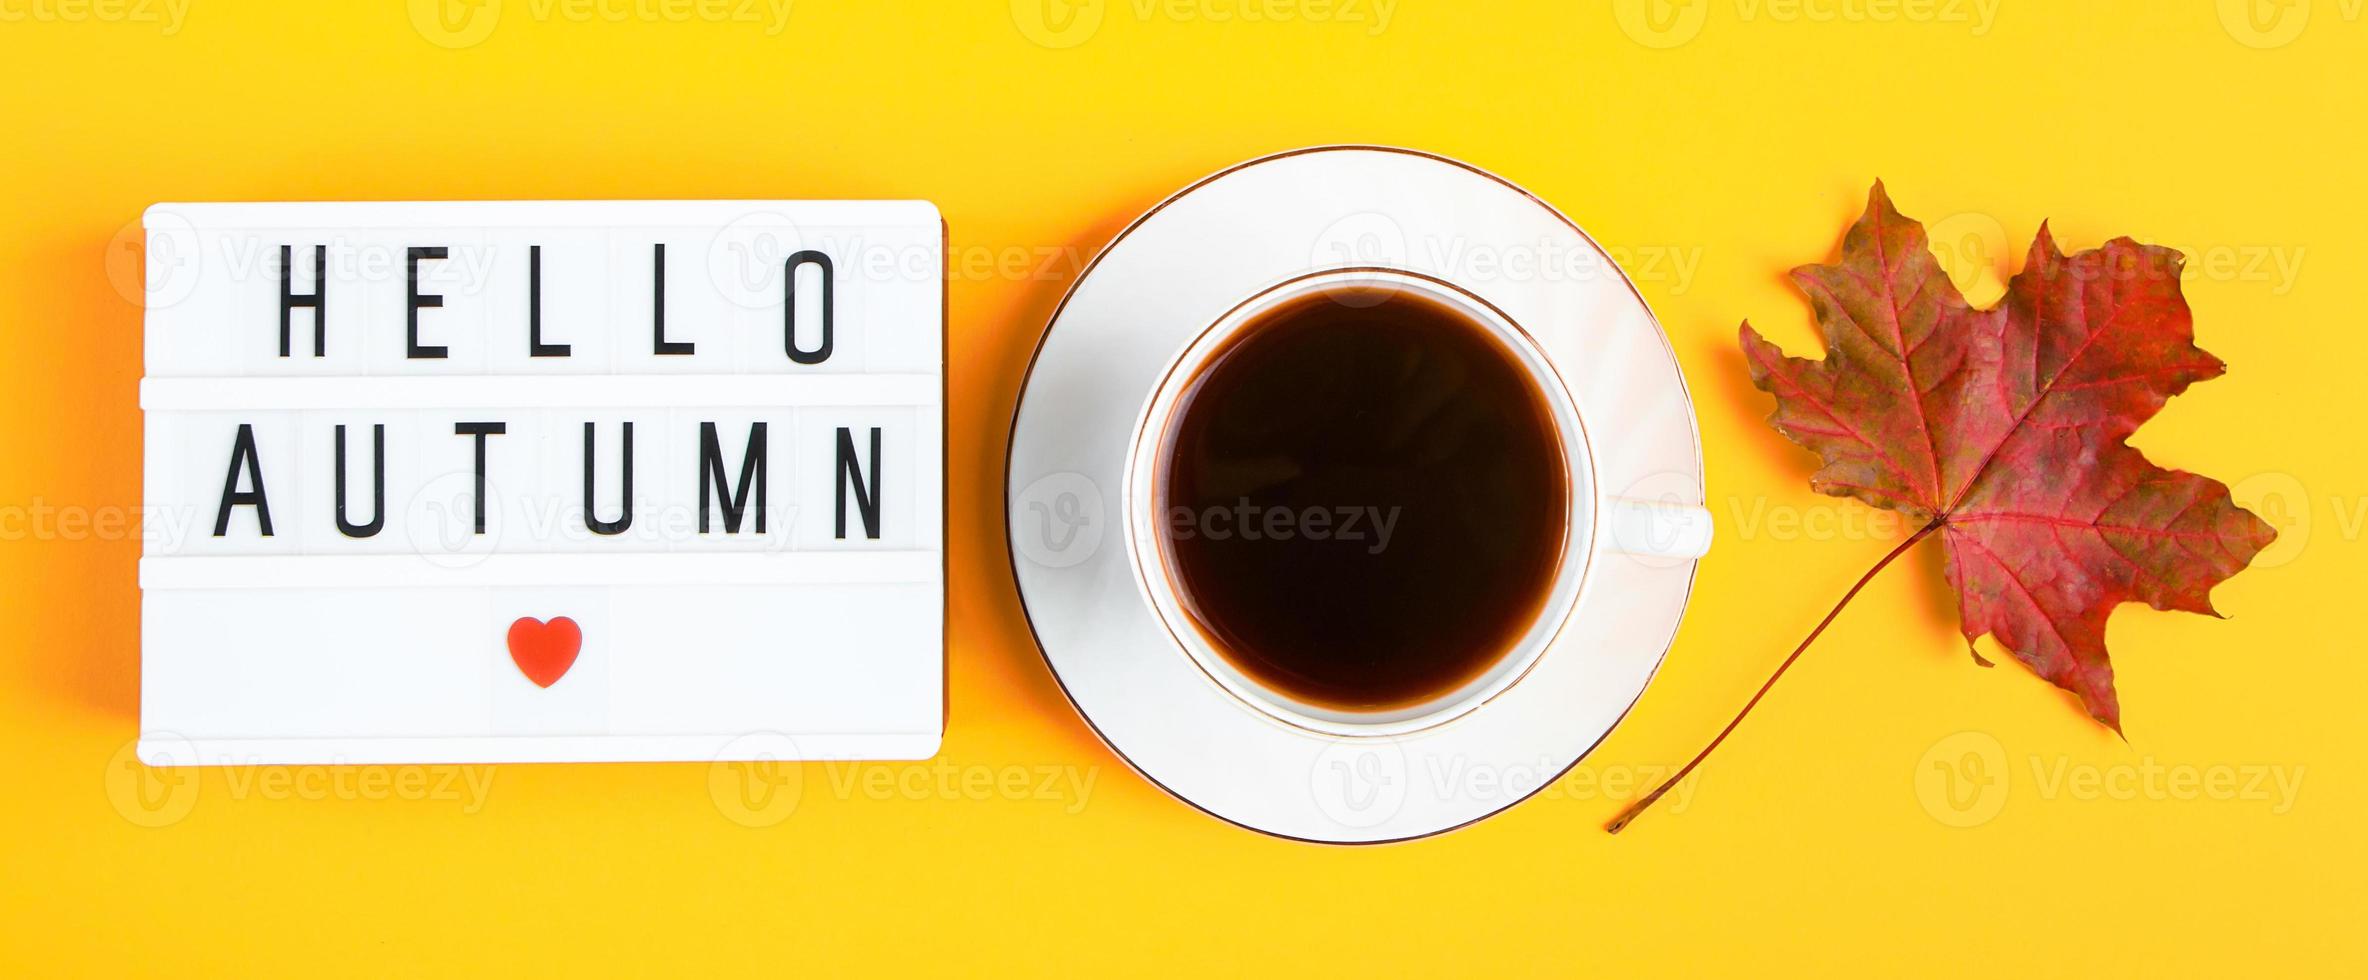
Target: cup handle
(1656, 528)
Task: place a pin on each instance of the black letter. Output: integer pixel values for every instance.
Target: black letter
(480, 430)
(866, 501)
(318, 299)
(534, 314)
(243, 449)
(789, 307)
(658, 309)
(711, 471)
(624, 520)
(377, 485)
(417, 301)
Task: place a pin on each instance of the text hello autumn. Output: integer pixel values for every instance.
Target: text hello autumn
(856, 475)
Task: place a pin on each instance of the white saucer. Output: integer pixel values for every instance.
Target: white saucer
(1147, 296)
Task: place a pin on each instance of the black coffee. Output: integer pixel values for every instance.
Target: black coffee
(1365, 498)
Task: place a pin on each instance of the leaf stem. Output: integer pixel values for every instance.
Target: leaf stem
(1637, 808)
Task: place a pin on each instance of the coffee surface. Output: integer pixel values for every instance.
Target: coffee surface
(1365, 499)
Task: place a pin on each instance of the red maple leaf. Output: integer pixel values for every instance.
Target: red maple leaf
(2003, 431)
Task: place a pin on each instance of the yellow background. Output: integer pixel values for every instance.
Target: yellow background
(1738, 136)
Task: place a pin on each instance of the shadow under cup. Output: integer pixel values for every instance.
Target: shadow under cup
(1355, 498)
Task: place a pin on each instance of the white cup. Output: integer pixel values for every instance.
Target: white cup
(1653, 530)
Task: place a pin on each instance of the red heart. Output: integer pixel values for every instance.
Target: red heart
(544, 651)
